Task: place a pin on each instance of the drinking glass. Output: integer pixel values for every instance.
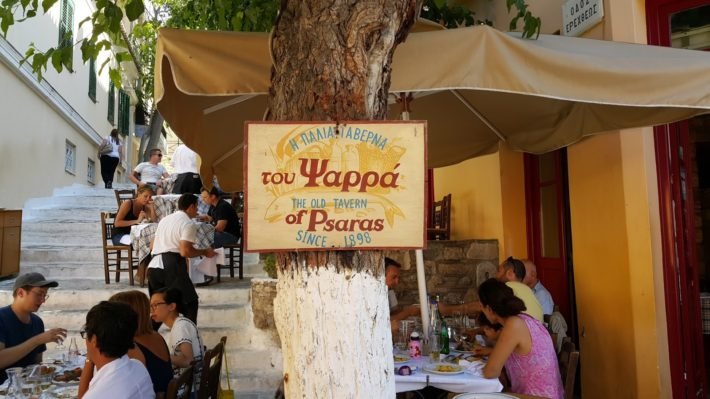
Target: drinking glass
(434, 347)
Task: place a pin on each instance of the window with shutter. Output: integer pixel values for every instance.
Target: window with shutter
(66, 24)
(124, 106)
(111, 102)
(92, 79)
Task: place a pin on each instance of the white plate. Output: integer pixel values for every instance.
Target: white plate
(432, 368)
(483, 396)
(407, 358)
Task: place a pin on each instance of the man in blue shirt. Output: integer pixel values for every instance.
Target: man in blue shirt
(22, 334)
(541, 293)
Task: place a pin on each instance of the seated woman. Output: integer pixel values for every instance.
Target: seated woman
(524, 346)
(184, 340)
(150, 348)
(132, 212)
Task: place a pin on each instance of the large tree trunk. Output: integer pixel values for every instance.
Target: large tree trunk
(151, 138)
(332, 62)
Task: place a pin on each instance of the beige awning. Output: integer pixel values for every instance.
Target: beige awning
(474, 86)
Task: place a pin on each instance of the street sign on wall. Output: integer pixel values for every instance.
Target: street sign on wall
(578, 16)
(322, 186)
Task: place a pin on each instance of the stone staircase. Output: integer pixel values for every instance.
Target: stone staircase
(61, 238)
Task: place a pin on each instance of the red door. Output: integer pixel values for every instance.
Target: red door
(547, 225)
(669, 22)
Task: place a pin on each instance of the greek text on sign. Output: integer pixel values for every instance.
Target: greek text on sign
(322, 186)
(578, 16)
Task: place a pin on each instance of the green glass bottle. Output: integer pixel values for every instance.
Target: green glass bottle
(444, 336)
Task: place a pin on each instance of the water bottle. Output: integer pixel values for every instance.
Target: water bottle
(415, 346)
(434, 319)
(73, 352)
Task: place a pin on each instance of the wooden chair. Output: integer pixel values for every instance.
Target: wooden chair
(114, 254)
(182, 385)
(211, 371)
(440, 227)
(568, 359)
(123, 195)
(234, 258)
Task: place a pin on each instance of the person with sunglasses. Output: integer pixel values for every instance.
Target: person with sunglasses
(23, 338)
(151, 173)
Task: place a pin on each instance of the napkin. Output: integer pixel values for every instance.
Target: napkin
(474, 367)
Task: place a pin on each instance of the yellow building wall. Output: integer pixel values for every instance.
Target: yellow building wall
(487, 200)
(616, 247)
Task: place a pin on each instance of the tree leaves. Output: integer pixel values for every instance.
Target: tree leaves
(134, 9)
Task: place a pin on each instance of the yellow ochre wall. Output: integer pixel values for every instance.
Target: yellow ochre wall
(488, 200)
(616, 246)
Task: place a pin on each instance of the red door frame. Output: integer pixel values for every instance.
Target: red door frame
(565, 298)
(684, 328)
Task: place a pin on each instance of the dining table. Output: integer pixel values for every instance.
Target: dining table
(142, 234)
(468, 380)
(166, 204)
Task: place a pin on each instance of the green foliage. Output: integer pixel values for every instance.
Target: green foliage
(270, 265)
(450, 16)
(531, 24)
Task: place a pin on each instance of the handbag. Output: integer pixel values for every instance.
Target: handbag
(229, 392)
(105, 148)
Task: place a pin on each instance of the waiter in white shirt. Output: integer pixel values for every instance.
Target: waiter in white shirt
(185, 164)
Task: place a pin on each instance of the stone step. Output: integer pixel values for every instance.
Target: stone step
(44, 253)
(91, 270)
(83, 202)
(48, 237)
(209, 315)
(94, 269)
(65, 214)
(79, 190)
(258, 382)
(75, 294)
(62, 227)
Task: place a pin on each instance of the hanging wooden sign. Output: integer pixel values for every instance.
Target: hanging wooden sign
(322, 186)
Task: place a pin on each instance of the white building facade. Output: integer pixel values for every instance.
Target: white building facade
(50, 129)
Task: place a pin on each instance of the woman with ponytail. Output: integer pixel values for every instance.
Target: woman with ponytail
(524, 346)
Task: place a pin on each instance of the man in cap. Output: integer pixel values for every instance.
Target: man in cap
(22, 334)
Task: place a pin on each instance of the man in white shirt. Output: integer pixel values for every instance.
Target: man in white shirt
(151, 172)
(109, 331)
(184, 162)
(173, 244)
(397, 312)
(541, 293)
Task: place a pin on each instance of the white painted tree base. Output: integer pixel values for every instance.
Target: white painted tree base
(335, 333)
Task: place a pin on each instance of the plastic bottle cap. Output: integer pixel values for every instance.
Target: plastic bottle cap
(414, 335)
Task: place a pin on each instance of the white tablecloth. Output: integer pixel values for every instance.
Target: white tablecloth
(468, 381)
(203, 266)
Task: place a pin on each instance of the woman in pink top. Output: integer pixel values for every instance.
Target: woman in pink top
(524, 346)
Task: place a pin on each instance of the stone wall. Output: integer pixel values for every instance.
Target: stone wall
(453, 270)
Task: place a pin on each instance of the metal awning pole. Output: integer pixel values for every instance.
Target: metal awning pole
(405, 99)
